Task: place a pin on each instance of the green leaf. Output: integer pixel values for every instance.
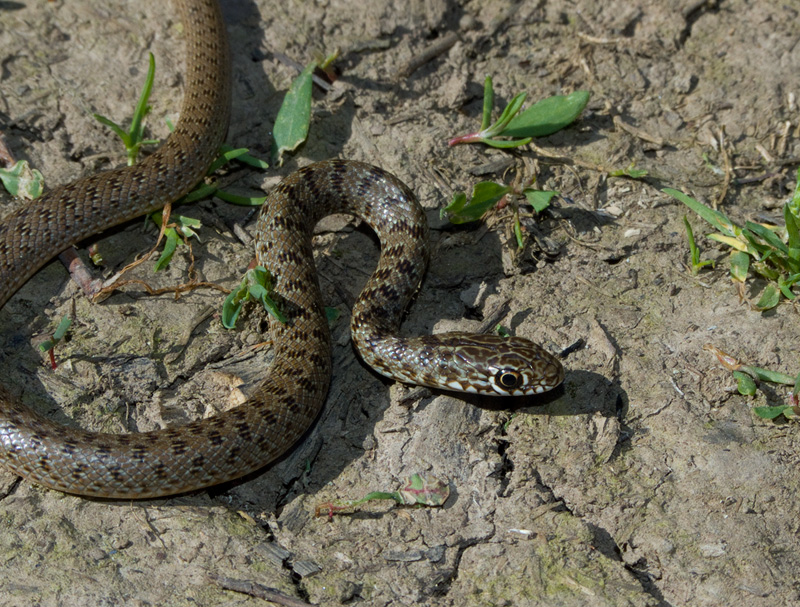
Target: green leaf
(456, 205)
(291, 124)
(770, 412)
(765, 270)
(142, 109)
(786, 284)
(545, 117)
(755, 243)
(740, 264)
(419, 491)
(246, 158)
(244, 201)
(332, 314)
(172, 235)
(540, 199)
(768, 236)
(201, 190)
(225, 156)
(791, 227)
(715, 218)
(132, 139)
(424, 491)
(745, 383)
(23, 181)
(734, 243)
(506, 144)
(786, 290)
(697, 265)
(488, 103)
(518, 231)
(118, 130)
(514, 106)
(233, 305)
(629, 172)
(62, 328)
(548, 115)
(485, 195)
(262, 295)
(774, 377)
(770, 298)
(60, 331)
(256, 284)
(171, 240)
(794, 205)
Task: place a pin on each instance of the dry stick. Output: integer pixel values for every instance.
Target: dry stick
(289, 62)
(601, 40)
(431, 52)
(495, 315)
(177, 289)
(639, 133)
(114, 283)
(80, 273)
(6, 157)
(728, 172)
(566, 160)
(256, 590)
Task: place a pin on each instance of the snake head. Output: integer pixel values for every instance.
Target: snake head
(494, 365)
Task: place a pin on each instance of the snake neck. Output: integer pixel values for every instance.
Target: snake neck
(284, 233)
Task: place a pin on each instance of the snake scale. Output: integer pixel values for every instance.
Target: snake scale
(246, 438)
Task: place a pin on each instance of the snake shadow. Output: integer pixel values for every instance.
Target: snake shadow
(581, 393)
(345, 432)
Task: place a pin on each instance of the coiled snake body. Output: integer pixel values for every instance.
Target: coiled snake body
(246, 438)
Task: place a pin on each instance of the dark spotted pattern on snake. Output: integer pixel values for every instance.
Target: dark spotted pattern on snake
(281, 409)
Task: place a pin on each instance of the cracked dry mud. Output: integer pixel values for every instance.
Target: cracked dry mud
(645, 481)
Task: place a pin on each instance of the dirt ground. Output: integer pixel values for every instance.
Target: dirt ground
(645, 480)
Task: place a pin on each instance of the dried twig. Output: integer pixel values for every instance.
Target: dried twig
(256, 590)
(428, 54)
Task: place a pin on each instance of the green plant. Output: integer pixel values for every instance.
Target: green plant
(418, 491)
(512, 129)
(487, 195)
(697, 265)
(50, 344)
(290, 130)
(630, 171)
(294, 116)
(257, 285)
(543, 118)
(23, 181)
(132, 138)
(770, 251)
(747, 378)
(182, 227)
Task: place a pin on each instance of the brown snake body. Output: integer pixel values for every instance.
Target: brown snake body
(244, 439)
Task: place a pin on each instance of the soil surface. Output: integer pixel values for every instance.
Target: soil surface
(645, 480)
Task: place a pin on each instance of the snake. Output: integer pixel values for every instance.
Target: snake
(281, 409)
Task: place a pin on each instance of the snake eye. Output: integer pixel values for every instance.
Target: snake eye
(508, 379)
